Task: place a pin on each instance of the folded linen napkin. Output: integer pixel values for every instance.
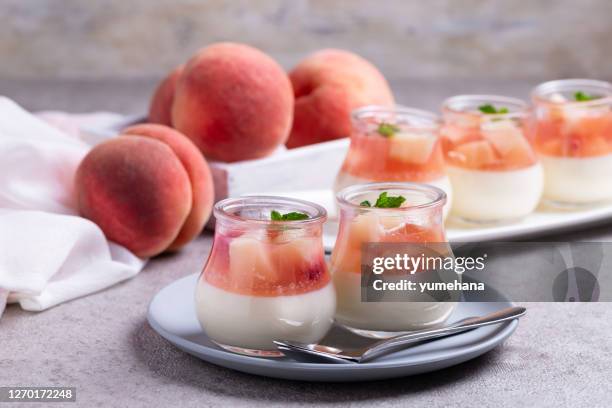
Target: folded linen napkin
(48, 254)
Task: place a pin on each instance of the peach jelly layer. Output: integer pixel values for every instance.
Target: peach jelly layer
(403, 156)
(576, 133)
(267, 263)
(493, 145)
(372, 227)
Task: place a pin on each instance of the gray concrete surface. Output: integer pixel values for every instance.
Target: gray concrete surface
(560, 355)
(434, 38)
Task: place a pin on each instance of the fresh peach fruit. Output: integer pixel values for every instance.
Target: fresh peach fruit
(234, 102)
(137, 191)
(197, 170)
(327, 86)
(161, 104)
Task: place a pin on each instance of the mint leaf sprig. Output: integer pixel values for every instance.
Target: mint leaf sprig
(491, 110)
(385, 201)
(291, 216)
(583, 96)
(387, 129)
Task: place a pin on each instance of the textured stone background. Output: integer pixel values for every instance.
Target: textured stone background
(406, 39)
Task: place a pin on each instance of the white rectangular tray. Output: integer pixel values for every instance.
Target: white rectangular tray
(543, 222)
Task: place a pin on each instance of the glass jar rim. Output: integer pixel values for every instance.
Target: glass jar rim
(317, 213)
(437, 196)
(576, 84)
(521, 107)
(430, 120)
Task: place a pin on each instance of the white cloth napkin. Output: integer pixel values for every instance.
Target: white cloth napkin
(48, 254)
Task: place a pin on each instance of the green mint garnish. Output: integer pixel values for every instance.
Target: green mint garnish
(385, 201)
(583, 96)
(490, 109)
(292, 216)
(387, 129)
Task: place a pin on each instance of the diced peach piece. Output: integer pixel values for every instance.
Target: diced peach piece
(582, 146)
(389, 223)
(250, 261)
(295, 252)
(294, 259)
(411, 147)
(346, 259)
(476, 154)
(504, 136)
(414, 233)
(510, 143)
(347, 253)
(364, 228)
(452, 136)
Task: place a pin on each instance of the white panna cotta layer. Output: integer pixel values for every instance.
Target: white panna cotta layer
(489, 196)
(344, 180)
(577, 180)
(253, 322)
(393, 316)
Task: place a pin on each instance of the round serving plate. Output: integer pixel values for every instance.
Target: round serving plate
(172, 314)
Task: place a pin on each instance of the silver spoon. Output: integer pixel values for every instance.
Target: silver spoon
(403, 341)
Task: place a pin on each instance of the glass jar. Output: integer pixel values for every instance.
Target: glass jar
(494, 169)
(418, 221)
(394, 144)
(573, 135)
(265, 280)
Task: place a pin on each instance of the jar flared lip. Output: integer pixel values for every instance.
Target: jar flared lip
(430, 120)
(456, 105)
(317, 213)
(436, 196)
(540, 92)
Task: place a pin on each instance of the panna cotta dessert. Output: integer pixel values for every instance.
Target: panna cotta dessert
(394, 144)
(266, 277)
(493, 168)
(410, 213)
(573, 135)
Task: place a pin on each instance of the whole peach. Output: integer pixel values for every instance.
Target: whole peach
(234, 102)
(199, 175)
(328, 85)
(137, 191)
(160, 109)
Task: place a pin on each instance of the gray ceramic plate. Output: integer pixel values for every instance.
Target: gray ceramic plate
(172, 315)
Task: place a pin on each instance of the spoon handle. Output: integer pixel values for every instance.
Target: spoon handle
(401, 341)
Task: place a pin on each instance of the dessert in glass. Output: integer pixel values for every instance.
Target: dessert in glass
(396, 144)
(416, 220)
(573, 135)
(494, 169)
(266, 278)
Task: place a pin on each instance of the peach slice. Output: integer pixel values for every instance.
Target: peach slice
(293, 259)
(364, 228)
(475, 154)
(509, 142)
(346, 256)
(411, 147)
(249, 262)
